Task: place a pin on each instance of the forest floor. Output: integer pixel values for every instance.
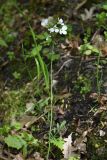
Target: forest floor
(53, 83)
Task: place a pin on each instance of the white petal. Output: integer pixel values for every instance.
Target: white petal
(102, 133)
(62, 24)
(64, 32)
(51, 30)
(56, 30)
(64, 27)
(60, 31)
(61, 21)
(44, 22)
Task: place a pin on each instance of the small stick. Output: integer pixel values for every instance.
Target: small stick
(69, 60)
(80, 5)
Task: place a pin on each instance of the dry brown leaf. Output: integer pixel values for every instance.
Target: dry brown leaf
(102, 99)
(99, 42)
(88, 14)
(18, 157)
(63, 46)
(71, 46)
(37, 156)
(80, 144)
(68, 149)
(26, 119)
(61, 111)
(67, 146)
(104, 49)
(29, 106)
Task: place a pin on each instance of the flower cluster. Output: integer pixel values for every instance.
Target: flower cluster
(58, 27)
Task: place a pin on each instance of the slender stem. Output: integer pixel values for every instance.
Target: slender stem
(98, 78)
(26, 64)
(51, 113)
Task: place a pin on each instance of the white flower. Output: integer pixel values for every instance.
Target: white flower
(55, 26)
(63, 30)
(51, 30)
(60, 31)
(56, 30)
(44, 22)
(62, 24)
(102, 133)
(60, 21)
(64, 27)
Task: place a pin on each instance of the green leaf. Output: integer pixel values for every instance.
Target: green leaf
(53, 56)
(38, 68)
(87, 52)
(29, 138)
(3, 43)
(74, 158)
(88, 49)
(35, 51)
(104, 6)
(58, 142)
(16, 125)
(17, 75)
(43, 36)
(11, 55)
(5, 130)
(15, 141)
(44, 70)
(43, 102)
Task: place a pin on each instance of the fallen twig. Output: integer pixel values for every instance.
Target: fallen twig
(63, 65)
(80, 5)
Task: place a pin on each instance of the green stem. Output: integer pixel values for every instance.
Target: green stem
(26, 64)
(98, 77)
(51, 113)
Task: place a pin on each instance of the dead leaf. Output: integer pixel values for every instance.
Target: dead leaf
(88, 14)
(68, 149)
(29, 106)
(67, 146)
(37, 156)
(71, 46)
(99, 42)
(18, 157)
(104, 49)
(25, 120)
(80, 144)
